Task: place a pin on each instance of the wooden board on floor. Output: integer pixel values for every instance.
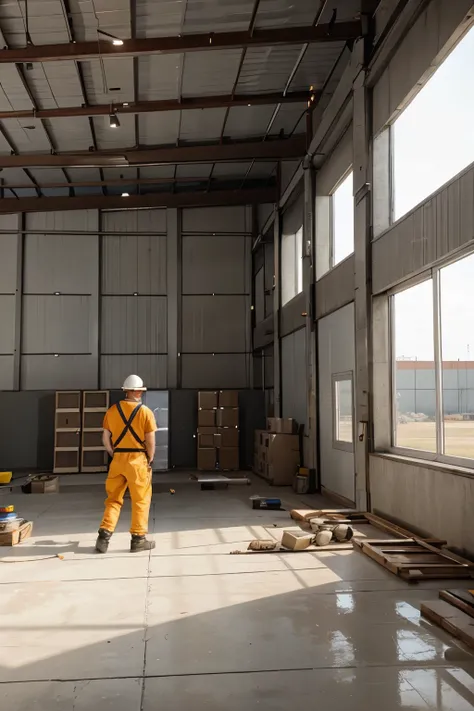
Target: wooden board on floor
(449, 618)
(414, 559)
(461, 599)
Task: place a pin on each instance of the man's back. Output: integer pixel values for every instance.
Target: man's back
(142, 424)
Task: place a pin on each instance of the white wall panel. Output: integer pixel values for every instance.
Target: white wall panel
(438, 227)
(335, 165)
(8, 261)
(293, 376)
(215, 264)
(67, 372)
(64, 263)
(6, 372)
(133, 264)
(217, 219)
(7, 321)
(56, 324)
(115, 368)
(229, 370)
(134, 221)
(132, 324)
(72, 220)
(336, 348)
(215, 324)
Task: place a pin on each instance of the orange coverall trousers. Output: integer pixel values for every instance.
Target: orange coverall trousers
(128, 470)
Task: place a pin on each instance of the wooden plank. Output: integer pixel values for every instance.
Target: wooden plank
(454, 621)
(390, 527)
(454, 599)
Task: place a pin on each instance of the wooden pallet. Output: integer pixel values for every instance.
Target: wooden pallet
(413, 559)
(451, 619)
(462, 599)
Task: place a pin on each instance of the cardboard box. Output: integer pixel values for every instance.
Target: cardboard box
(207, 400)
(272, 424)
(287, 426)
(12, 538)
(282, 456)
(206, 437)
(229, 436)
(45, 485)
(228, 417)
(206, 459)
(207, 418)
(229, 398)
(295, 541)
(229, 458)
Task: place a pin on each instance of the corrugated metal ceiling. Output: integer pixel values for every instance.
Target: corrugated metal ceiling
(111, 80)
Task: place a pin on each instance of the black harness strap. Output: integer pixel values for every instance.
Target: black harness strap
(128, 428)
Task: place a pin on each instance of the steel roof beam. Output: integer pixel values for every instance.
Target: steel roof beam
(331, 32)
(274, 149)
(112, 202)
(142, 107)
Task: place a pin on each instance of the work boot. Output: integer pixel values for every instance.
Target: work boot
(140, 543)
(103, 540)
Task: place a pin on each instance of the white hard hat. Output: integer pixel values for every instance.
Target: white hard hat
(133, 382)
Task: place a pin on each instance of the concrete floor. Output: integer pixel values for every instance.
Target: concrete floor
(192, 627)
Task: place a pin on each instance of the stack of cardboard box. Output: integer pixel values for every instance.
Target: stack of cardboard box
(218, 430)
(277, 451)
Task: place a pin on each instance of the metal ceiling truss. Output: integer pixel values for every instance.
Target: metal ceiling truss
(330, 32)
(110, 202)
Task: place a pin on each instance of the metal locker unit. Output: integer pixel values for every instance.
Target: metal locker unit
(67, 434)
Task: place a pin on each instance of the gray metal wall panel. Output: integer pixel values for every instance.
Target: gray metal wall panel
(33, 413)
(288, 169)
(263, 333)
(291, 315)
(293, 375)
(72, 220)
(215, 324)
(336, 288)
(216, 219)
(131, 221)
(134, 324)
(7, 321)
(335, 165)
(64, 263)
(56, 324)
(213, 372)
(259, 296)
(263, 213)
(215, 264)
(6, 374)
(134, 264)
(438, 227)
(8, 262)
(115, 368)
(293, 217)
(268, 366)
(68, 372)
(183, 426)
(423, 44)
(269, 276)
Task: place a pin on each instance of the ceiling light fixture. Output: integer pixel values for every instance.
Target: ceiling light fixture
(114, 121)
(115, 40)
(125, 194)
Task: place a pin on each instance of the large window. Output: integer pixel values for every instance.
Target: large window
(342, 220)
(291, 265)
(433, 139)
(433, 363)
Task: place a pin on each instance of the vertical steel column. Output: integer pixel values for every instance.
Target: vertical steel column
(309, 276)
(20, 241)
(173, 279)
(363, 280)
(276, 314)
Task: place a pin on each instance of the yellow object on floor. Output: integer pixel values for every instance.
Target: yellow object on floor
(5, 477)
(128, 469)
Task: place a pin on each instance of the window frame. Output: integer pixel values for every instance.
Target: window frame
(433, 274)
(348, 375)
(332, 218)
(389, 126)
(297, 237)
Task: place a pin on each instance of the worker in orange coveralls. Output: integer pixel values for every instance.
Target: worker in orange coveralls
(129, 438)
